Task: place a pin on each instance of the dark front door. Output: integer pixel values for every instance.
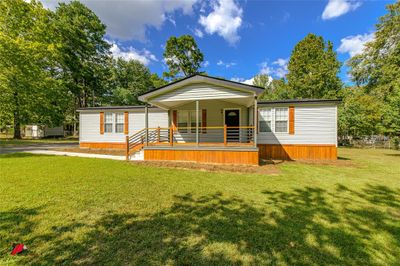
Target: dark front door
(232, 121)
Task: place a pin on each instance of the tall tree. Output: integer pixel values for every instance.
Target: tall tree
(359, 114)
(157, 81)
(182, 56)
(129, 79)
(313, 69)
(84, 53)
(378, 68)
(29, 90)
(275, 89)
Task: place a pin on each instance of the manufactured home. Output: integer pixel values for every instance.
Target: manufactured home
(212, 120)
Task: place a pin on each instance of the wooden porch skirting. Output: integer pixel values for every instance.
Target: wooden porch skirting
(249, 157)
(103, 145)
(298, 151)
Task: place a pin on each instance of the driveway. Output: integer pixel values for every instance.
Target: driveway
(36, 146)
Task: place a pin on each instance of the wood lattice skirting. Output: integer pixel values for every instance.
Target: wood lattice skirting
(203, 156)
(298, 151)
(103, 145)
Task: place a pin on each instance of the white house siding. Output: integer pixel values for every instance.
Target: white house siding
(201, 91)
(90, 124)
(314, 124)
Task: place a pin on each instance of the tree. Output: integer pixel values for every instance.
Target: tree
(84, 54)
(182, 56)
(359, 113)
(262, 80)
(157, 81)
(129, 80)
(313, 69)
(275, 89)
(378, 69)
(30, 91)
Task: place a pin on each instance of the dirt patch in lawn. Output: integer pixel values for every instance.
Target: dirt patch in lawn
(340, 162)
(269, 168)
(94, 151)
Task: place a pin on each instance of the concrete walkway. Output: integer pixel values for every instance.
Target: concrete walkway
(51, 149)
(78, 154)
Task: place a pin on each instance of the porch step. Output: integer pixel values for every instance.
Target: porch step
(137, 156)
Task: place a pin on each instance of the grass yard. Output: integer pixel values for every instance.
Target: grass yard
(70, 210)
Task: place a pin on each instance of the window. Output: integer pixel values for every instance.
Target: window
(187, 119)
(119, 123)
(183, 121)
(193, 121)
(265, 120)
(281, 119)
(108, 122)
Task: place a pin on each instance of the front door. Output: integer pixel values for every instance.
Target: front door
(232, 121)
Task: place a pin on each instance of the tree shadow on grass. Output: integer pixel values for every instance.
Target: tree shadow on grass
(299, 227)
(15, 225)
(22, 155)
(393, 154)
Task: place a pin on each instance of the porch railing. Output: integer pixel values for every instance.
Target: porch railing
(186, 136)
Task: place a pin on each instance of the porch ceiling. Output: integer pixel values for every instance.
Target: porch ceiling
(245, 101)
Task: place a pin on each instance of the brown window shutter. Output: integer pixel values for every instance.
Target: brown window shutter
(174, 119)
(204, 120)
(126, 123)
(102, 123)
(291, 120)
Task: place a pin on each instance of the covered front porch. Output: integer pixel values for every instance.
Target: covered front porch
(210, 121)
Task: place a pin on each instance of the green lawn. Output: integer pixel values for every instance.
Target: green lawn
(70, 210)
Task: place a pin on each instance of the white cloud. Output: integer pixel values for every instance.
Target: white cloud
(336, 8)
(205, 64)
(225, 64)
(144, 56)
(224, 20)
(354, 44)
(127, 20)
(242, 80)
(277, 69)
(198, 33)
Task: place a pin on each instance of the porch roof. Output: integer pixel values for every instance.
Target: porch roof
(199, 87)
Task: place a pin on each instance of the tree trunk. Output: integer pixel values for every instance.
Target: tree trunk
(17, 125)
(17, 121)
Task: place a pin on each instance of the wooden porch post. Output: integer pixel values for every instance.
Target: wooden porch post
(127, 148)
(146, 125)
(197, 123)
(255, 126)
(225, 136)
(171, 136)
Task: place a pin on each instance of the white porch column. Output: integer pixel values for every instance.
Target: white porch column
(146, 123)
(255, 122)
(197, 123)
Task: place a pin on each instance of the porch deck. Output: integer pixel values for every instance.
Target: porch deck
(231, 145)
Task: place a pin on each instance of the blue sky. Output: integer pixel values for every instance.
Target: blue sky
(238, 38)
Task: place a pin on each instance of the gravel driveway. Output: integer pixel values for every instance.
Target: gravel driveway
(36, 146)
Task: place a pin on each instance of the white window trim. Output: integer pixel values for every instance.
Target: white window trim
(258, 120)
(115, 122)
(273, 120)
(112, 122)
(287, 121)
(189, 121)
